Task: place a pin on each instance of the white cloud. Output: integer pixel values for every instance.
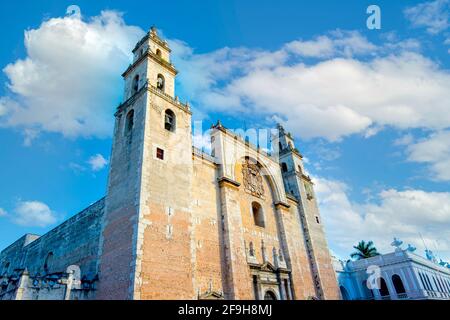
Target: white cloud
(447, 42)
(434, 151)
(432, 15)
(404, 140)
(29, 136)
(2, 107)
(331, 98)
(342, 43)
(2, 212)
(339, 97)
(325, 152)
(33, 214)
(372, 131)
(76, 168)
(406, 214)
(68, 82)
(97, 162)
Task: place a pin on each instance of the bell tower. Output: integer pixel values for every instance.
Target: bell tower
(145, 229)
(301, 186)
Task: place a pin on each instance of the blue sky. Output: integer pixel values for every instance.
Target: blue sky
(368, 107)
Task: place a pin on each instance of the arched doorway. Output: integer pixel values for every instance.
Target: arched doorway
(270, 296)
(367, 292)
(399, 287)
(344, 293)
(384, 291)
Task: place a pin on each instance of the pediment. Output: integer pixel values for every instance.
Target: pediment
(267, 266)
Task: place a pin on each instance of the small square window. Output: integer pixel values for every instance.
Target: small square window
(160, 154)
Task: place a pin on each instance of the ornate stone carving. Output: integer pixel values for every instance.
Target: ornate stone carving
(253, 181)
(157, 108)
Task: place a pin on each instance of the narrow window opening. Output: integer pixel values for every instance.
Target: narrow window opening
(135, 88)
(160, 153)
(170, 121)
(251, 250)
(129, 123)
(258, 215)
(161, 82)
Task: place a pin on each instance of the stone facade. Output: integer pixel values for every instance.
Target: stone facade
(177, 223)
(60, 265)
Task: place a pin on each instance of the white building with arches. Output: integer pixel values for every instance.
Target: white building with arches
(400, 275)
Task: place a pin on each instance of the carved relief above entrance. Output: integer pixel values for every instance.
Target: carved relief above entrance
(253, 181)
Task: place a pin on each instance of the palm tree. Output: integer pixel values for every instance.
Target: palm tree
(364, 250)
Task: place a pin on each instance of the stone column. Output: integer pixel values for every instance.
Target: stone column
(282, 209)
(390, 286)
(283, 293)
(238, 284)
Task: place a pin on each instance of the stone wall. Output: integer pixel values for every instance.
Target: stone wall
(208, 256)
(165, 240)
(119, 226)
(35, 263)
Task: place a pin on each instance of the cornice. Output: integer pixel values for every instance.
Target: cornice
(224, 181)
(282, 205)
(149, 88)
(170, 67)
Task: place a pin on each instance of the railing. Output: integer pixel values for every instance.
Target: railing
(168, 97)
(203, 154)
(435, 294)
(149, 87)
(402, 296)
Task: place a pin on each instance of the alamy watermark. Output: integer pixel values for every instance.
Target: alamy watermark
(374, 280)
(374, 20)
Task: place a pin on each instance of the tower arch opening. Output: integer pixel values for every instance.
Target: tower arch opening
(170, 120)
(135, 87)
(129, 122)
(160, 82)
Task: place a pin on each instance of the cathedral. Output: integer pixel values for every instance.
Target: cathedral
(177, 222)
